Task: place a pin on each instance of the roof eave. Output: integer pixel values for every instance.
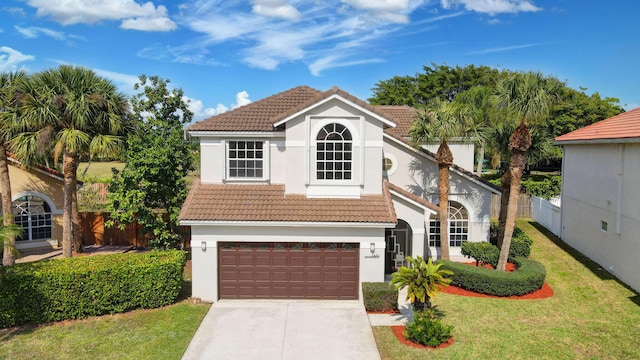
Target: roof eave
(338, 97)
(333, 224)
(631, 140)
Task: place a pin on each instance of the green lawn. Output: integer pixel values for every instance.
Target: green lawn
(162, 333)
(591, 316)
(99, 170)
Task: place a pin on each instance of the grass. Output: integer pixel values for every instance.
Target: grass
(591, 316)
(162, 333)
(100, 171)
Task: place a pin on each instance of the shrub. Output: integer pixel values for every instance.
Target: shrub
(379, 296)
(520, 242)
(528, 277)
(482, 252)
(427, 330)
(423, 280)
(88, 286)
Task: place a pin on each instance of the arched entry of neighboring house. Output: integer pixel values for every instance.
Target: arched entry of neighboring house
(398, 246)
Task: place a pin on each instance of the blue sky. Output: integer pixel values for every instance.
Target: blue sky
(228, 53)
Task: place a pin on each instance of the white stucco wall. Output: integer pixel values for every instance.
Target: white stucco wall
(463, 153)
(205, 262)
(600, 183)
(419, 176)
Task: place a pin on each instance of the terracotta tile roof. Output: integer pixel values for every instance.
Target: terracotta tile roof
(47, 170)
(622, 126)
(258, 116)
(268, 203)
(413, 197)
(263, 114)
(402, 116)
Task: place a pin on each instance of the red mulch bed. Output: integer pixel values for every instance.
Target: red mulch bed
(399, 330)
(544, 292)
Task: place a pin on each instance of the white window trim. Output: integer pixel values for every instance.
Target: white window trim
(266, 149)
(312, 148)
(394, 163)
(52, 211)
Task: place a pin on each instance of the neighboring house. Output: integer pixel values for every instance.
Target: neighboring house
(307, 194)
(37, 195)
(601, 193)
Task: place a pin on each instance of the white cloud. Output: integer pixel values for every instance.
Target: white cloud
(181, 54)
(33, 32)
(503, 49)
(242, 98)
(276, 9)
(200, 112)
(146, 17)
(492, 7)
(395, 11)
(11, 59)
(125, 82)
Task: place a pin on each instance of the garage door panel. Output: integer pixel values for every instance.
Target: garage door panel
(288, 270)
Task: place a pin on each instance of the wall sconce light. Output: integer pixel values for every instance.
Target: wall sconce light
(372, 247)
(203, 246)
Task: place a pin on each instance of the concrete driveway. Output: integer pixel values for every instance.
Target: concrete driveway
(284, 330)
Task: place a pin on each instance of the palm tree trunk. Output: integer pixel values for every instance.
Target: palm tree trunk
(444, 157)
(519, 142)
(77, 229)
(504, 204)
(8, 257)
(480, 160)
(69, 169)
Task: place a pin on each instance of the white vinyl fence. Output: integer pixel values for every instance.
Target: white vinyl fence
(547, 213)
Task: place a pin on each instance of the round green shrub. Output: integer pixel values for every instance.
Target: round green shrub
(426, 329)
(528, 277)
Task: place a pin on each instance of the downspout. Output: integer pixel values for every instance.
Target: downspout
(620, 188)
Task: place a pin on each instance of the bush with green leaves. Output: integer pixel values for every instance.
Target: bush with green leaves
(520, 242)
(423, 280)
(379, 296)
(482, 252)
(80, 287)
(528, 277)
(427, 329)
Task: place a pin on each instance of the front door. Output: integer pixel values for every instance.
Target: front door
(398, 246)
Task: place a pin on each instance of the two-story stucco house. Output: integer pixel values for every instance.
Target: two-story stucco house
(600, 193)
(307, 194)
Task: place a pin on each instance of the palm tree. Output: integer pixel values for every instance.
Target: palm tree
(8, 107)
(527, 98)
(70, 111)
(423, 281)
(441, 121)
(8, 233)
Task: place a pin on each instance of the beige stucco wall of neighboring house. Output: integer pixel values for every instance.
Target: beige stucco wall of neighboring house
(41, 184)
(600, 184)
(419, 176)
(205, 261)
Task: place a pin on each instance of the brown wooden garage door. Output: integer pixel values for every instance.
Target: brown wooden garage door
(288, 270)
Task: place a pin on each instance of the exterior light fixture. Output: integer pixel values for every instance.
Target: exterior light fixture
(203, 246)
(372, 247)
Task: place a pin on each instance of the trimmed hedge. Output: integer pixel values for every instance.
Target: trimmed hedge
(528, 277)
(379, 296)
(80, 287)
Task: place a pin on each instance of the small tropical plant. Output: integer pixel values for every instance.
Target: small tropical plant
(422, 279)
(426, 329)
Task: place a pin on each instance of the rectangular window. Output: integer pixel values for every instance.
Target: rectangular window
(603, 225)
(245, 159)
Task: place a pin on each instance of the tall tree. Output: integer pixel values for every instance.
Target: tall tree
(527, 98)
(70, 111)
(441, 121)
(8, 113)
(151, 188)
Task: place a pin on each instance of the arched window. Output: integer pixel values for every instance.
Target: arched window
(458, 226)
(333, 153)
(34, 215)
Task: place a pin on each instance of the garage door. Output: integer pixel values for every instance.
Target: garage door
(288, 270)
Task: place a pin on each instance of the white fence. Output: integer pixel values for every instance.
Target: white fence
(546, 213)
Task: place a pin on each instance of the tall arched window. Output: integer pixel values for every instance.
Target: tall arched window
(334, 153)
(458, 226)
(34, 215)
